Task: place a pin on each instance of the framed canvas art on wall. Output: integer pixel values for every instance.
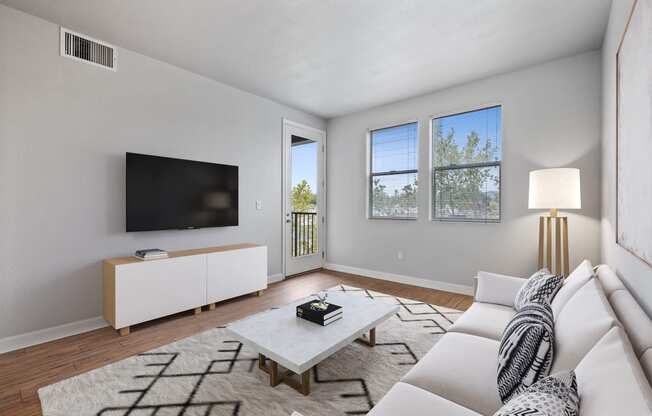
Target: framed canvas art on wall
(634, 134)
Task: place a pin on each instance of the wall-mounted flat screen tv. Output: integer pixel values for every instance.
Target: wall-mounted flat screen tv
(165, 193)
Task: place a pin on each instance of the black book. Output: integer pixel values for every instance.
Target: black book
(318, 321)
(308, 310)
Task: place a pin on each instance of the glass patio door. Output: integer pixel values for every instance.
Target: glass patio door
(304, 194)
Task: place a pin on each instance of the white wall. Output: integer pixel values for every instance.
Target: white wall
(636, 274)
(64, 131)
(551, 118)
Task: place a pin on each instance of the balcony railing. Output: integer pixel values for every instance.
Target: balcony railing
(304, 233)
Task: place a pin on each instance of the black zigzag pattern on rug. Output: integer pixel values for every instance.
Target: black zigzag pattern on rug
(409, 307)
(423, 312)
(182, 407)
(422, 316)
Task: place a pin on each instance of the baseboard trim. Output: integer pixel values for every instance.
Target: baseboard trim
(41, 336)
(275, 278)
(28, 339)
(399, 278)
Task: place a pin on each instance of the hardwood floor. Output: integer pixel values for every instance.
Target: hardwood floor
(23, 372)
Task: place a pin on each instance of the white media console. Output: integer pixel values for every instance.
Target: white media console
(136, 291)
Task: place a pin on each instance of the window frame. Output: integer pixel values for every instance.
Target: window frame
(433, 169)
(371, 175)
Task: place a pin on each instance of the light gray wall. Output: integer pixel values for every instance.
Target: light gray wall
(551, 118)
(64, 131)
(636, 274)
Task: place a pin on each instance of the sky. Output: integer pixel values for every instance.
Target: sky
(304, 165)
(484, 122)
(395, 148)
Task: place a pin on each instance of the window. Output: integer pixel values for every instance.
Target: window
(393, 172)
(466, 151)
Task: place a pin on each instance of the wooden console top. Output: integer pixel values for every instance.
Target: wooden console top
(181, 253)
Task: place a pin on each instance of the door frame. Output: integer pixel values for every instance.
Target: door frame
(286, 143)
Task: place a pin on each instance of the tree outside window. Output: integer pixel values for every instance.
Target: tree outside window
(466, 166)
(393, 175)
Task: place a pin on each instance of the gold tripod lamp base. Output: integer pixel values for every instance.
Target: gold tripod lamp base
(560, 234)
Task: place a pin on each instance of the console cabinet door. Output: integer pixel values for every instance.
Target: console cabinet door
(236, 272)
(156, 288)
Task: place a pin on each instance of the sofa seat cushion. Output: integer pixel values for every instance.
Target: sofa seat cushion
(405, 399)
(572, 284)
(484, 320)
(460, 368)
(582, 323)
(611, 381)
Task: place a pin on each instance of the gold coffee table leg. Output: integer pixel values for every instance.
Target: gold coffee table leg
(301, 383)
(371, 341)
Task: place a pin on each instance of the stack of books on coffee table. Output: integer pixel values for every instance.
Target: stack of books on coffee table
(310, 312)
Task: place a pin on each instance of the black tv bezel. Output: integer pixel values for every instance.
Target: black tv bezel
(237, 168)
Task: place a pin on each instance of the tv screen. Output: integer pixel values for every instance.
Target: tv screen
(165, 193)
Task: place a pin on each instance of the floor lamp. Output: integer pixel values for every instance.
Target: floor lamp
(554, 189)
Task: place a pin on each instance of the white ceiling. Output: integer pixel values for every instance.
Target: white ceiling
(332, 57)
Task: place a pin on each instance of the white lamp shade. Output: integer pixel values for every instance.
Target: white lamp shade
(555, 188)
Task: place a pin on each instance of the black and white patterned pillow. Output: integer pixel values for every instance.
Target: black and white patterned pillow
(542, 286)
(526, 349)
(555, 395)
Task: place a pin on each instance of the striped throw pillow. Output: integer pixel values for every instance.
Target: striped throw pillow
(542, 286)
(526, 349)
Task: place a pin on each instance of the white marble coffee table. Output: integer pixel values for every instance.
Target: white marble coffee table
(298, 345)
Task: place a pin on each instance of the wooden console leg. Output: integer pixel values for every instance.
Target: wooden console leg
(124, 331)
(211, 307)
(259, 293)
(197, 310)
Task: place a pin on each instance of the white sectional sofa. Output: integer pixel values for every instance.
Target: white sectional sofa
(600, 331)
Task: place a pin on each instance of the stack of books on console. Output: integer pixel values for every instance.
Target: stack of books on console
(151, 254)
(309, 312)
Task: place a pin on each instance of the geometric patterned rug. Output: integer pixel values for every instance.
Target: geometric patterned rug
(213, 374)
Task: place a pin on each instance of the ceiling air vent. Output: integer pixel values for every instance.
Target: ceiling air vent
(86, 49)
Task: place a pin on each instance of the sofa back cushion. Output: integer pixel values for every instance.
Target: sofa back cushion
(610, 379)
(574, 282)
(581, 324)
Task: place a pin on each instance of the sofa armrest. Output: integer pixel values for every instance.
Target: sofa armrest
(496, 288)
